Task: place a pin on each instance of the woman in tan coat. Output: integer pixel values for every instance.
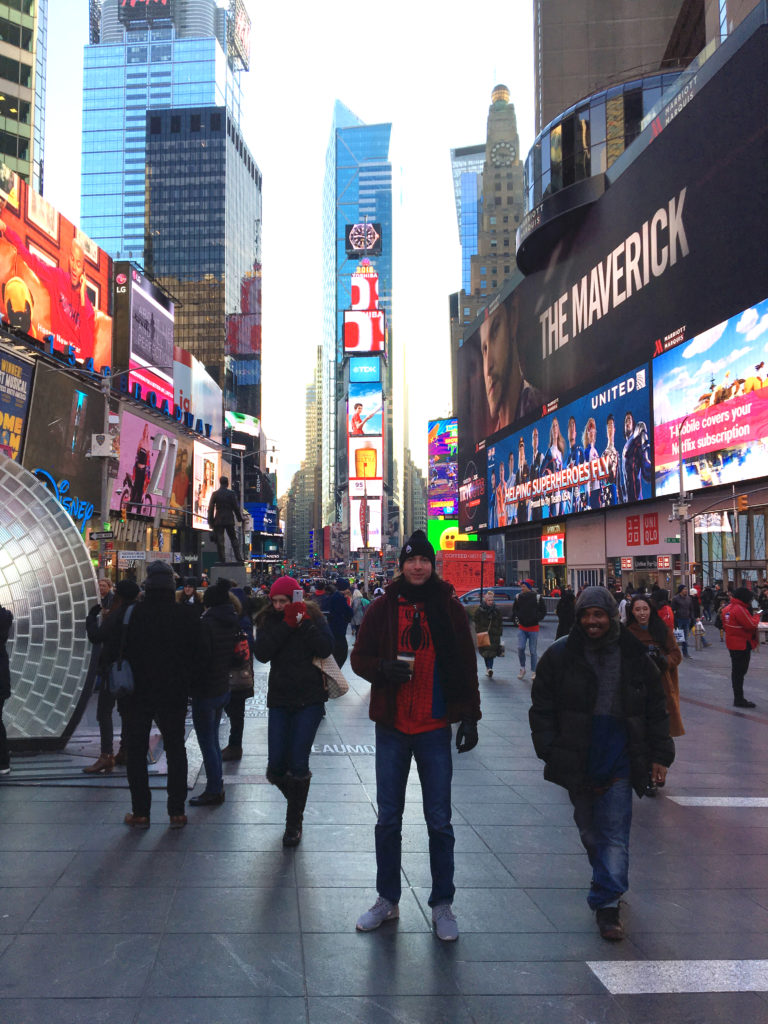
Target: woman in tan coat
(644, 622)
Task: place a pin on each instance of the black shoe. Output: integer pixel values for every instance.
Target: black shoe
(230, 753)
(743, 703)
(207, 799)
(609, 924)
(291, 836)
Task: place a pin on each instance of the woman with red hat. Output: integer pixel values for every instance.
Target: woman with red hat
(289, 635)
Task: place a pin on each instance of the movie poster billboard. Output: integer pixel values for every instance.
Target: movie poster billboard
(473, 497)
(142, 454)
(364, 410)
(54, 279)
(15, 390)
(205, 479)
(590, 454)
(443, 482)
(357, 517)
(711, 395)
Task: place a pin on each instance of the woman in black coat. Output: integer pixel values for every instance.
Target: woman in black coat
(210, 685)
(289, 635)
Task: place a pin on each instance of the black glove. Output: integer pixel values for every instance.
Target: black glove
(395, 672)
(466, 736)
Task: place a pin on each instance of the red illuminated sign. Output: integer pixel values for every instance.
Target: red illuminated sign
(364, 291)
(633, 531)
(364, 330)
(626, 563)
(663, 561)
(651, 528)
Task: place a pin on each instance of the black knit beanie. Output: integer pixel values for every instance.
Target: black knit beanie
(417, 544)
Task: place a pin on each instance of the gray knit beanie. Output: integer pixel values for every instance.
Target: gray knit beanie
(597, 597)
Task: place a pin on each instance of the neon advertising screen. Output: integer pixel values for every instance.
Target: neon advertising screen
(443, 483)
(362, 240)
(590, 454)
(364, 369)
(366, 458)
(711, 393)
(151, 338)
(364, 330)
(364, 410)
(359, 509)
(206, 470)
(553, 549)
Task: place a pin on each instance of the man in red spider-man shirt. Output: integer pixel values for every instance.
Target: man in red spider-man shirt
(415, 647)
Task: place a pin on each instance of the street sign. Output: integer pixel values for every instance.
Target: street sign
(671, 540)
(101, 535)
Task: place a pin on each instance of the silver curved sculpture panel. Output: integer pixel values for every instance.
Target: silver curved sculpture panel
(48, 582)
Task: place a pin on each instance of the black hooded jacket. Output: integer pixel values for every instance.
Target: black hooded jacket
(563, 701)
(294, 682)
(218, 627)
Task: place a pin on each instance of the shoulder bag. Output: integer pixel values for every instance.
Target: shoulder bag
(333, 680)
(241, 670)
(121, 682)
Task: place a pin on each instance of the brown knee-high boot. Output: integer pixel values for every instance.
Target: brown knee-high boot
(297, 790)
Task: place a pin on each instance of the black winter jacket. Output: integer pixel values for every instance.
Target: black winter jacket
(529, 608)
(107, 633)
(219, 627)
(162, 647)
(563, 697)
(294, 682)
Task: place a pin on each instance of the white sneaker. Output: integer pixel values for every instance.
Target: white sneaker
(444, 922)
(5, 770)
(533, 676)
(521, 674)
(381, 911)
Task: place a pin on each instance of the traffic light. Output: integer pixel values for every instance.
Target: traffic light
(742, 502)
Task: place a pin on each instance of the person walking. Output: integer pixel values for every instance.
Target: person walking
(104, 627)
(488, 621)
(235, 710)
(566, 613)
(188, 595)
(223, 510)
(289, 635)
(707, 601)
(529, 610)
(336, 608)
(599, 723)
(682, 606)
(6, 621)
(210, 685)
(161, 648)
(740, 626)
(415, 648)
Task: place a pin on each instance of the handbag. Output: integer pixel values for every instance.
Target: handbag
(121, 682)
(333, 680)
(242, 652)
(241, 678)
(483, 640)
(680, 636)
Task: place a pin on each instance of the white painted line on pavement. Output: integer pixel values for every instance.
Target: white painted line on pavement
(654, 977)
(720, 801)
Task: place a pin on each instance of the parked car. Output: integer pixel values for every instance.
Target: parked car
(505, 599)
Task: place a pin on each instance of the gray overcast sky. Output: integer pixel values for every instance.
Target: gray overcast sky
(429, 68)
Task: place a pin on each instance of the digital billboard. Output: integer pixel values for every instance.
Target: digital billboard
(239, 33)
(443, 534)
(362, 240)
(364, 409)
(181, 490)
(242, 423)
(196, 392)
(443, 482)
(366, 458)
(364, 369)
(590, 454)
(143, 332)
(130, 11)
(357, 518)
(144, 459)
(206, 471)
(54, 279)
(15, 390)
(710, 394)
(553, 548)
(473, 498)
(364, 330)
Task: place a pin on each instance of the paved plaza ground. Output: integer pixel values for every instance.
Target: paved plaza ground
(218, 924)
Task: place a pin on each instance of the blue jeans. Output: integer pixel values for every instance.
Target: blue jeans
(532, 639)
(206, 718)
(290, 735)
(432, 752)
(603, 821)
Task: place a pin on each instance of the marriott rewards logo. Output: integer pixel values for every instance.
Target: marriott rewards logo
(643, 255)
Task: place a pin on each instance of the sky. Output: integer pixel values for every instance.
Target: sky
(429, 69)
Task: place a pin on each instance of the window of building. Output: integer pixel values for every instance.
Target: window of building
(154, 126)
(493, 220)
(136, 55)
(175, 124)
(216, 122)
(195, 123)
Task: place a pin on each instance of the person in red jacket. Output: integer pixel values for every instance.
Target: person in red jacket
(741, 639)
(415, 648)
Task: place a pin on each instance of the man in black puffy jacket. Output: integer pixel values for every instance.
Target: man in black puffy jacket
(599, 722)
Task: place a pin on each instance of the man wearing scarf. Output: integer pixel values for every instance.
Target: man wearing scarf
(599, 722)
(415, 647)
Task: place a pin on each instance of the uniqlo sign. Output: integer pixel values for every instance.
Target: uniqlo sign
(651, 528)
(633, 531)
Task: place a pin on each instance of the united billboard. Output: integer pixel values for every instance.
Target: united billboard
(710, 399)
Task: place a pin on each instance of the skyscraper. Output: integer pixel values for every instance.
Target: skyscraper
(467, 169)
(23, 42)
(357, 191)
(167, 178)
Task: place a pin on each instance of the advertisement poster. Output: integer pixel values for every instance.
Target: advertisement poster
(54, 279)
(196, 392)
(357, 517)
(139, 456)
(443, 482)
(365, 458)
(442, 534)
(363, 330)
(590, 454)
(181, 491)
(15, 388)
(364, 369)
(364, 410)
(473, 499)
(205, 479)
(152, 319)
(710, 395)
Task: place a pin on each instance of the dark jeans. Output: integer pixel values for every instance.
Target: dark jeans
(236, 712)
(488, 663)
(685, 625)
(206, 718)
(290, 735)
(218, 533)
(137, 720)
(104, 707)
(603, 821)
(5, 756)
(432, 753)
(739, 667)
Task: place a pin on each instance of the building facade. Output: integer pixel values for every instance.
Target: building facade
(23, 46)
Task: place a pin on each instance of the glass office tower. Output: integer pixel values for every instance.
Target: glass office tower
(23, 35)
(357, 187)
(467, 171)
